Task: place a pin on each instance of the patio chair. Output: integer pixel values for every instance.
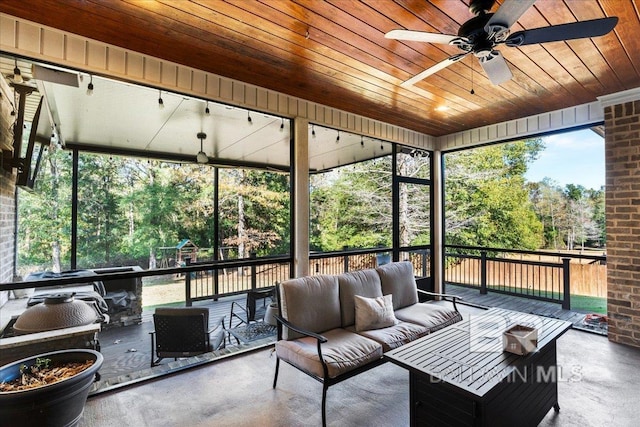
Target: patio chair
(184, 332)
(254, 309)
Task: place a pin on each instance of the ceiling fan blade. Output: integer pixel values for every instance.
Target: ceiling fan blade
(420, 36)
(571, 31)
(509, 13)
(432, 70)
(496, 68)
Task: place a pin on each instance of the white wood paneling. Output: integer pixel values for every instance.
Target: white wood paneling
(581, 115)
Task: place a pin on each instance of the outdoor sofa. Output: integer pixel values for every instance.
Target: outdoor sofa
(337, 326)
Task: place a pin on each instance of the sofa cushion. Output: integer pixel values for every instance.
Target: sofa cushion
(374, 313)
(311, 303)
(343, 352)
(397, 279)
(396, 335)
(430, 315)
(365, 283)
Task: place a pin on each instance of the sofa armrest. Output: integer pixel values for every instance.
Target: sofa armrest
(290, 325)
(446, 297)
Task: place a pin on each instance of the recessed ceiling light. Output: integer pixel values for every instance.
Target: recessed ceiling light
(442, 108)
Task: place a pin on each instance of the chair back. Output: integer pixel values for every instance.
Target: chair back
(181, 332)
(257, 302)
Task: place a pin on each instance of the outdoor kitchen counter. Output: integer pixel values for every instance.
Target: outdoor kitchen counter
(21, 346)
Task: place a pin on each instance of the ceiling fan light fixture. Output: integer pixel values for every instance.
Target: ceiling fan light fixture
(17, 75)
(201, 157)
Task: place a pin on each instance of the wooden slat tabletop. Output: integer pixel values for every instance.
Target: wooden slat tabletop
(469, 354)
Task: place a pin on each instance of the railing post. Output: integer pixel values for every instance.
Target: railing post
(566, 282)
(345, 259)
(424, 262)
(187, 284)
(254, 279)
(483, 272)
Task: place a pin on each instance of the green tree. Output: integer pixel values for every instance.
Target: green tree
(486, 203)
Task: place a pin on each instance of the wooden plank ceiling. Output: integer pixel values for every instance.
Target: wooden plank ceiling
(334, 52)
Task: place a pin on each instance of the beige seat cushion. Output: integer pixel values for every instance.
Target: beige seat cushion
(398, 280)
(396, 335)
(343, 352)
(432, 316)
(311, 303)
(365, 283)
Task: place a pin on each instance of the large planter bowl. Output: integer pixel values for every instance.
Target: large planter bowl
(57, 404)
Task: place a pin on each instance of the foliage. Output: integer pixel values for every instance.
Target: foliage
(129, 208)
(486, 203)
(351, 206)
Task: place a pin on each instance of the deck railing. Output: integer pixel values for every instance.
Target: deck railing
(214, 279)
(539, 275)
(357, 259)
(514, 272)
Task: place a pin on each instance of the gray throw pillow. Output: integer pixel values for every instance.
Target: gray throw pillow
(374, 313)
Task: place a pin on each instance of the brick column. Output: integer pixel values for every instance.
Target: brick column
(7, 221)
(622, 158)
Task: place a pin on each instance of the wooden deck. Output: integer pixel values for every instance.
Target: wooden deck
(473, 297)
(127, 349)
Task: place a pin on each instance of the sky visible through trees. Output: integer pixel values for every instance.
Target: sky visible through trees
(571, 158)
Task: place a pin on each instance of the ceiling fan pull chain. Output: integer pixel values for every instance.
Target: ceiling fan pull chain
(472, 92)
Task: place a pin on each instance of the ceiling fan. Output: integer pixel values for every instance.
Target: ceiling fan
(481, 34)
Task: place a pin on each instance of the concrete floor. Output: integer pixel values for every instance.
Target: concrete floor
(598, 386)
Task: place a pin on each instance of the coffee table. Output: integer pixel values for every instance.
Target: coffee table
(253, 331)
(460, 375)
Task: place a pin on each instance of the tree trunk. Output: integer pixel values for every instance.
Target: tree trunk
(152, 258)
(55, 256)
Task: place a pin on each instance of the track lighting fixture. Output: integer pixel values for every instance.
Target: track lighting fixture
(17, 75)
(160, 101)
(361, 141)
(206, 110)
(201, 157)
(313, 131)
(90, 86)
(282, 125)
(338, 137)
(249, 117)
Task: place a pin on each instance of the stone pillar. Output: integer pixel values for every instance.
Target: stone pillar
(622, 159)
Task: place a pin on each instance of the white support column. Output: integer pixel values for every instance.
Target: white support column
(438, 220)
(301, 197)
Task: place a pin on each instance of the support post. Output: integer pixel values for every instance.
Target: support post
(254, 278)
(483, 272)
(300, 208)
(566, 284)
(187, 284)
